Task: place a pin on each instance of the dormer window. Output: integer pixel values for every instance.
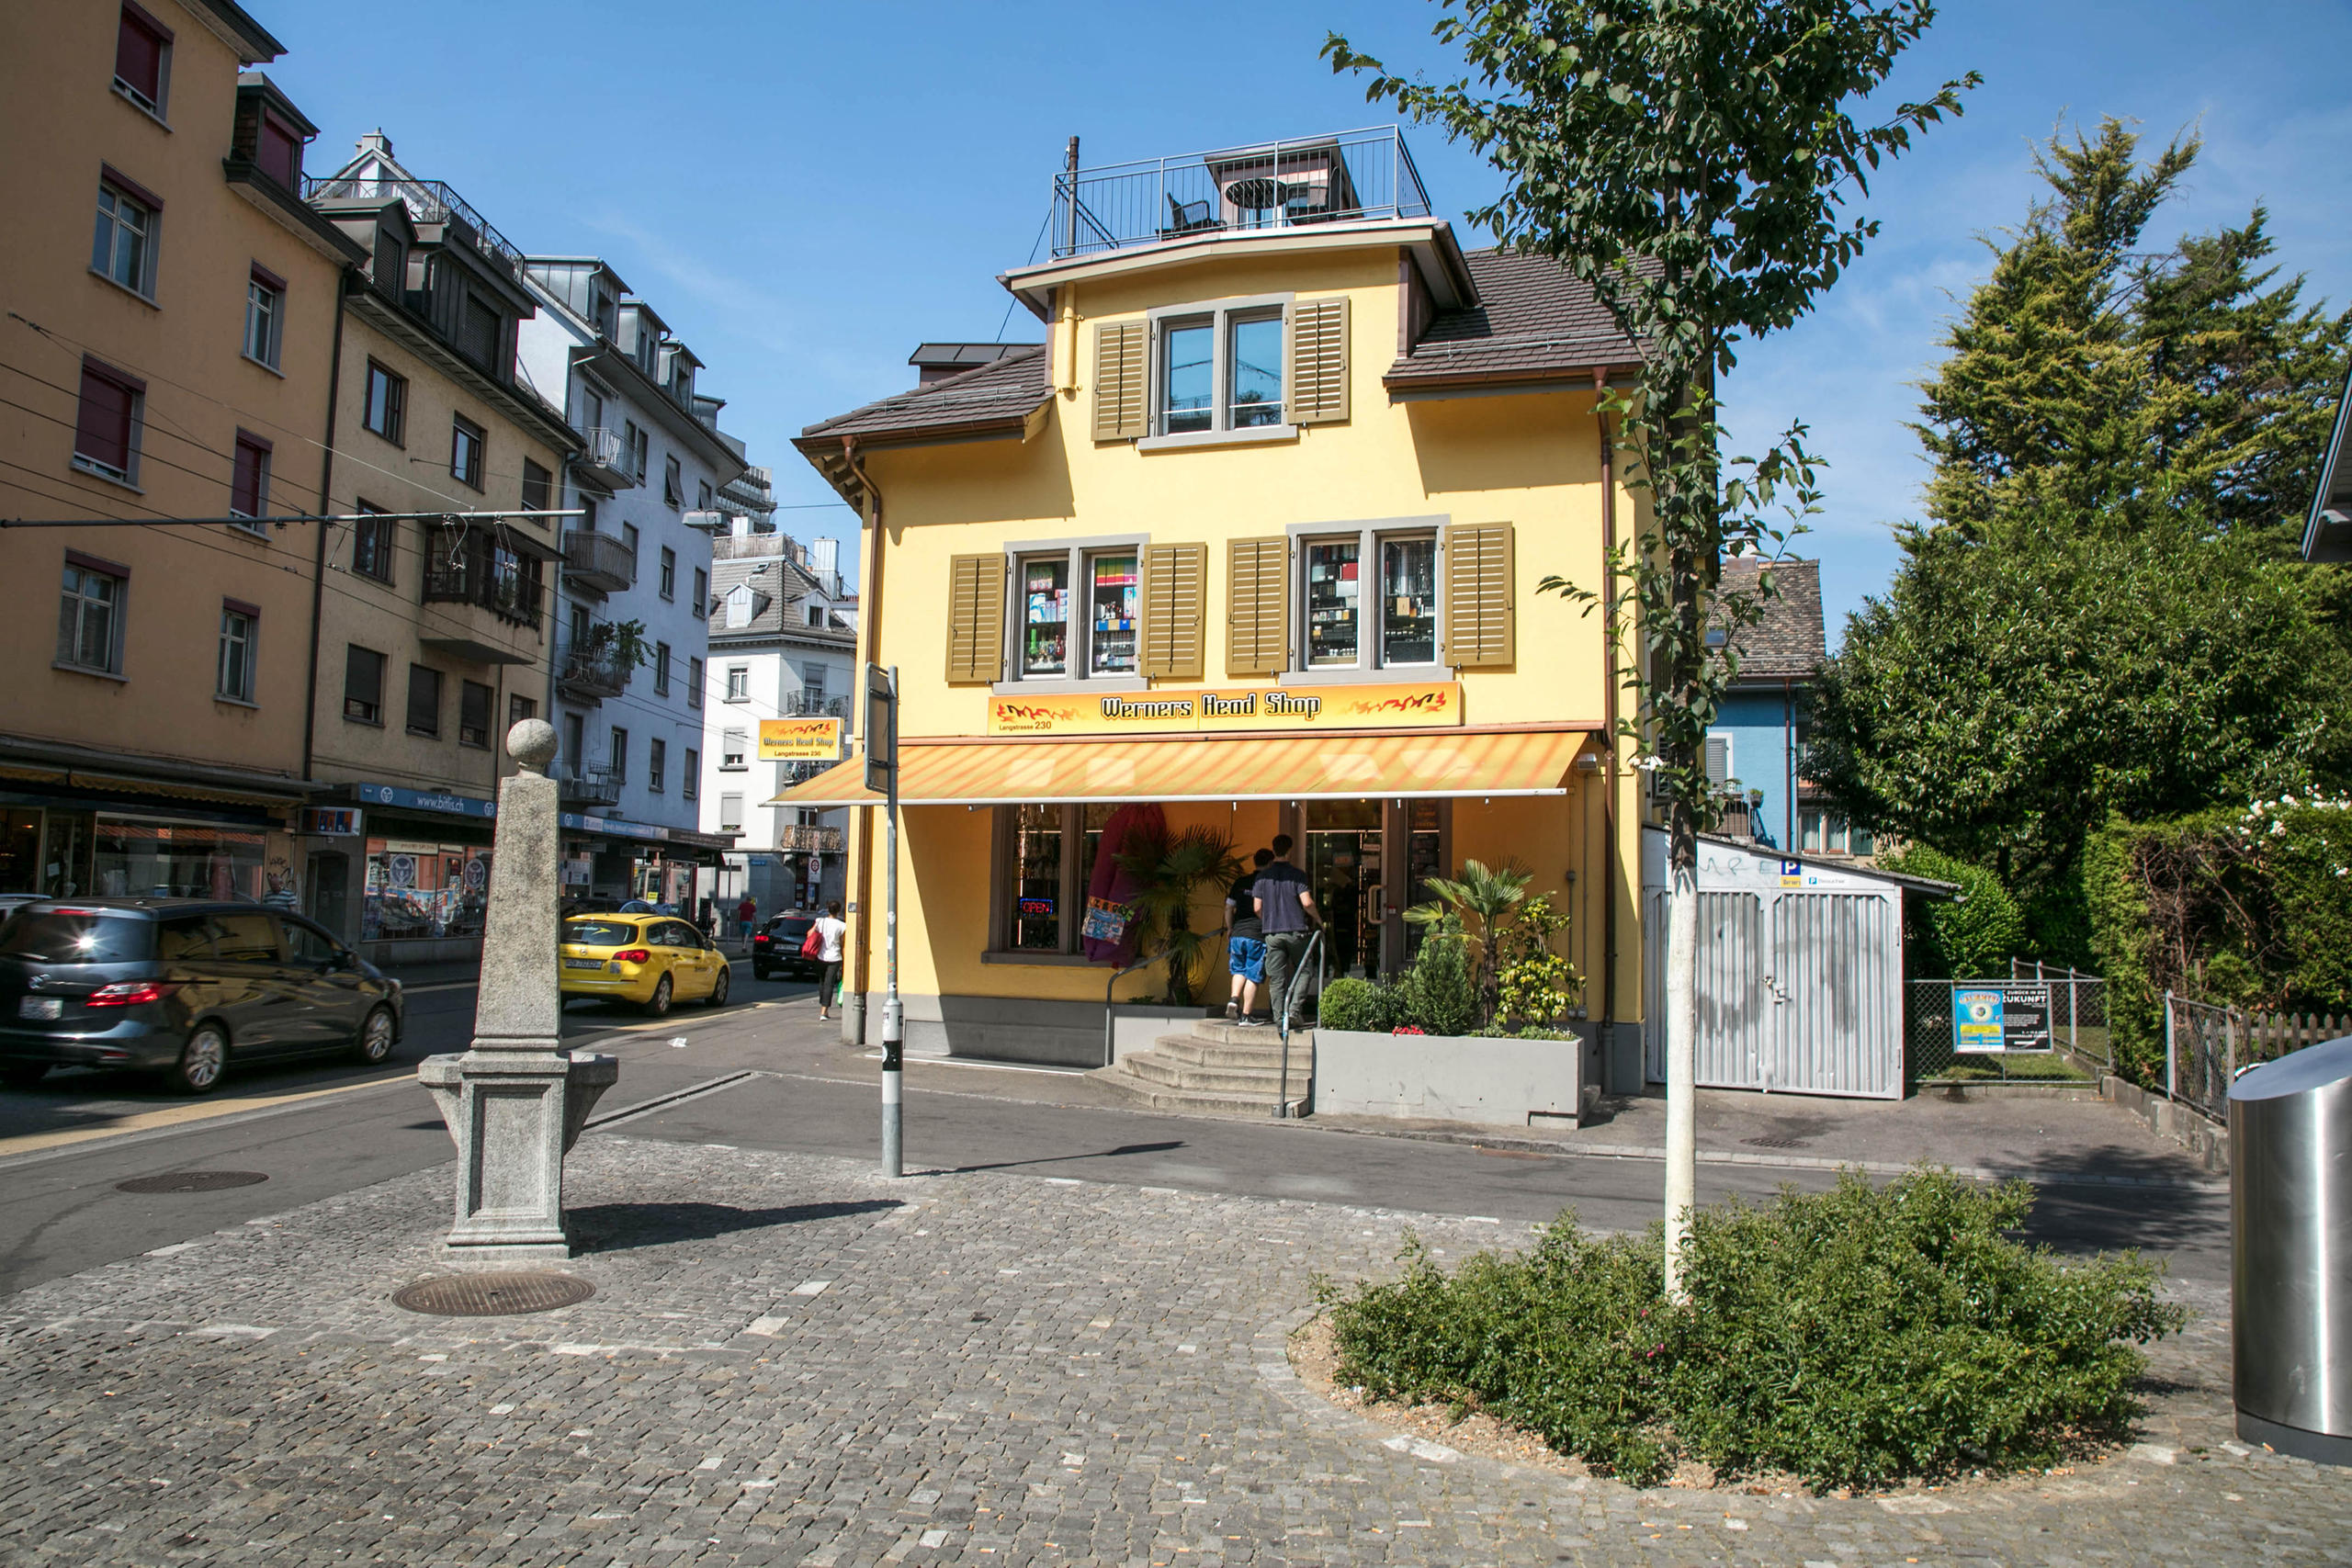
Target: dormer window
(278, 151)
(481, 330)
(392, 262)
(1220, 370)
(738, 615)
(608, 317)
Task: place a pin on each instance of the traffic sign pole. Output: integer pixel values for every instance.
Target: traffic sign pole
(882, 701)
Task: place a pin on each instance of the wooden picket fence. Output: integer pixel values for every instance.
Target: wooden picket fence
(2273, 1034)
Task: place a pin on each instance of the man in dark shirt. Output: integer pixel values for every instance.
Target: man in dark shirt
(1245, 945)
(1287, 911)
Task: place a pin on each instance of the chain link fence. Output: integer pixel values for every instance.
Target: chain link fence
(2207, 1045)
(2081, 1046)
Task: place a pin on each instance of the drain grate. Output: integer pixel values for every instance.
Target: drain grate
(1774, 1143)
(191, 1181)
(492, 1295)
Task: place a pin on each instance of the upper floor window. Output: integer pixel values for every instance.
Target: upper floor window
(815, 614)
(89, 621)
(734, 747)
(617, 757)
(538, 487)
(142, 60)
(690, 783)
(371, 544)
(1371, 599)
(701, 591)
(108, 424)
(1220, 370)
(465, 451)
(702, 495)
(1232, 366)
(362, 685)
(629, 538)
(473, 714)
(277, 151)
(424, 701)
(384, 408)
(482, 331)
(249, 479)
(661, 669)
(1078, 612)
(738, 683)
(234, 678)
(657, 763)
(738, 606)
(693, 682)
(264, 315)
(669, 589)
(673, 489)
(123, 247)
(392, 262)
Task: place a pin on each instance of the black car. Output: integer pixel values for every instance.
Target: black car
(775, 947)
(182, 987)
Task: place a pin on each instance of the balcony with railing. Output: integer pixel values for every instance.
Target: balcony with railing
(429, 202)
(498, 581)
(1271, 186)
(597, 560)
(592, 785)
(799, 704)
(603, 459)
(593, 668)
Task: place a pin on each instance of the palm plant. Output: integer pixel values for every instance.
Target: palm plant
(1479, 901)
(1170, 871)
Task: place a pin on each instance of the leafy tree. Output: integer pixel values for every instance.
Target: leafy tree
(2002, 698)
(1690, 161)
(1971, 937)
(2091, 377)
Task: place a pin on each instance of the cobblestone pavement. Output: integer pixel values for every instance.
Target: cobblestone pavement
(790, 1361)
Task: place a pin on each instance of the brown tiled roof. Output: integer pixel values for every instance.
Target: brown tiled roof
(1004, 393)
(1789, 639)
(1532, 321)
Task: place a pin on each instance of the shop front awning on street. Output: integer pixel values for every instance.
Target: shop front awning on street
(1304, 767)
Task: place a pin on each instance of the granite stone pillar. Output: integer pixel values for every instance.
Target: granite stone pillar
(515, 1102)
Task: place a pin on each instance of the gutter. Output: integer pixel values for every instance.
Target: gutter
(869, 632)
(1608, 702)
(319, 555)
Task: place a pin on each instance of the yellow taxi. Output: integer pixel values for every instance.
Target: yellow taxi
(651, 960)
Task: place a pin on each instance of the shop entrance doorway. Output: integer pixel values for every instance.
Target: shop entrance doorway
(1367, 862)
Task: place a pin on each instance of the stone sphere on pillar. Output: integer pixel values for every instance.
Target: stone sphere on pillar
(532, 743)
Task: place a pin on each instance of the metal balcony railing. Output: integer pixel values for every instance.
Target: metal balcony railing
(602, 448)
(429, 201)
(597, 560)
(591, 785)
(1269, 186)
(796, 705)
(594, 668)
(475, 580)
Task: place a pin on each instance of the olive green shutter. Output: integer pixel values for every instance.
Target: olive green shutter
(1120, 411)
(1478, 595)
(1319, 361)
(1175, 590)
(1257, 635)
(974, 619)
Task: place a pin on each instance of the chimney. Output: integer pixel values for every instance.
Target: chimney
(376, 141)
(824, 563)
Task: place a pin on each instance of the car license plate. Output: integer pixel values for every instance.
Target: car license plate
(584, 963)
(40, 1006)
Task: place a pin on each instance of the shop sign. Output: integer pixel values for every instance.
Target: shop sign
(422, 800)
(574, 822)
(1988, 1020)
(331, 821)
(800, 740)
(413, 846)
(1272, 709)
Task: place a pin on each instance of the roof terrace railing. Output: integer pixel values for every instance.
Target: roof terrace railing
(1268, 186)
(429, 201)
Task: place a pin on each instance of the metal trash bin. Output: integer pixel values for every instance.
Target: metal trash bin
(2291, 1210)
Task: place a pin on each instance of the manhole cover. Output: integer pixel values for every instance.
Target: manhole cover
(191, 1181)
(1774, 1143)
(492, 1295)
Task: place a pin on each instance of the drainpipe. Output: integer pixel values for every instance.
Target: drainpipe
(1609, 711)
(869, 628)
(319, 553)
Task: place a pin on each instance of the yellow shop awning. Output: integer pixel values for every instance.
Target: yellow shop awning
(1310, 767)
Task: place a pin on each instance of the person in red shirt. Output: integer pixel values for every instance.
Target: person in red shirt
(746, 913)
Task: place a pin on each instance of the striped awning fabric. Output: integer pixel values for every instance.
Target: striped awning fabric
(1313, 767)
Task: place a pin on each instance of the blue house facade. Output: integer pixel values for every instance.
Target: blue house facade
(1756, 748)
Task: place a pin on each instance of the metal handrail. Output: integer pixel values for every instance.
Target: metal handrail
(1109, 1056)
(1283, 1008)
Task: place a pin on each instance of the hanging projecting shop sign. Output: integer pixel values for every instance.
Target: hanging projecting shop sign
(800, 740)
(1417, 705)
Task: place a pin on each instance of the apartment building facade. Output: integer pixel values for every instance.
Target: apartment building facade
(783, 645)
(1253, 542)
(632, 643)
(166, 358)
(439, 630)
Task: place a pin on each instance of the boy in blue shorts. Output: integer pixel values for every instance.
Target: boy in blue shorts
(1244, 943)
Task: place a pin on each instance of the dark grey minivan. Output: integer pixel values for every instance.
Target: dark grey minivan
(183, 986)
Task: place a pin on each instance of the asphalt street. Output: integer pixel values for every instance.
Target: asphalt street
(762, 1074)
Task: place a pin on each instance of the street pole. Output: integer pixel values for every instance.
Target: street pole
(894, 1016)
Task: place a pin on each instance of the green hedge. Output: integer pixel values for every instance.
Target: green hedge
(1969, 938)
(1856, 1337)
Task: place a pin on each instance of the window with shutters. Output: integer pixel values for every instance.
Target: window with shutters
(734, 750)
(1479, 629)
(249, 480)
(424, 701)
(108, 424)
(473, 714)
(1367, 598)
(362, 685)
(1250, 369)
(1078, 612)
(142, 60)
(1719, 759)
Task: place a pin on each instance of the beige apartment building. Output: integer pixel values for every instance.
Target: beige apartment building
(437, 632)
(167, 357)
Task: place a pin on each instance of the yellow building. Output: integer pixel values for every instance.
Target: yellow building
(438, 618)
(1255, 536)
(165, 356)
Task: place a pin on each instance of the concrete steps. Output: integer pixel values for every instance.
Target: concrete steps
(1217, 1066)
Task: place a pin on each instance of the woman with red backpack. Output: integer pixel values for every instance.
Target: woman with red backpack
(823, 943)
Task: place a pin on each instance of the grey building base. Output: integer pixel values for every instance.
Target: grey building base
(1027, 1031)
(1484, 1081)
(1620, 1065)
(2319, 1448)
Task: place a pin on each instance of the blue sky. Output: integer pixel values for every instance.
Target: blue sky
(807, 191)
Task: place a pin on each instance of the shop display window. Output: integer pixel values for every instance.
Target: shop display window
(1044, 632)
(178, 860)
(420, 890)
(1112, 607)
(1333, 600)
(1034, 923)
(1409, 601)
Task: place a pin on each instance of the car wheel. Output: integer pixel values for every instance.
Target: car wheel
(659, 1003)
(374, 1041)
(23, 1075)
(759, 971)
(718, 987)
(201, 1060)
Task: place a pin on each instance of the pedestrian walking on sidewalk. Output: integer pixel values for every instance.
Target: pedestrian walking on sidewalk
(746, 913)
(829, 930)
(1286, 912)
(1245, 941)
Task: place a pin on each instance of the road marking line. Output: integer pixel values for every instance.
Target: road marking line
(179, 1115)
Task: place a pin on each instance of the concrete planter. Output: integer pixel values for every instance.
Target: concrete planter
(1444, 1077)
